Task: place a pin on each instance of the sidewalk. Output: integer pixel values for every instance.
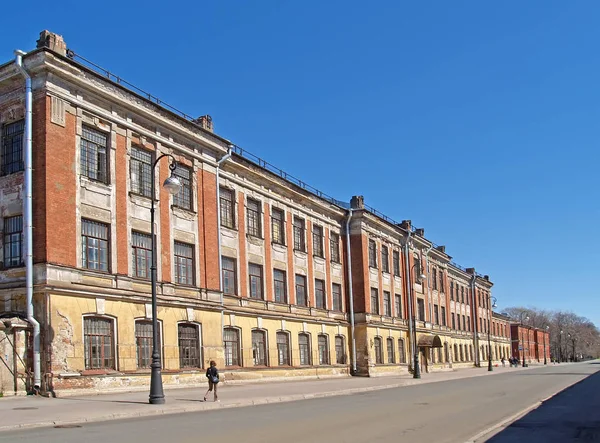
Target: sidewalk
(28, 412)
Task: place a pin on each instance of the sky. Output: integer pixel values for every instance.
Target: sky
(478, 121)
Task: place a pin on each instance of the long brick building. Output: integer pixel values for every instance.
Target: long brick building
(258, 271)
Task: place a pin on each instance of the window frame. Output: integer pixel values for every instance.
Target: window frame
(254, 278)
(378, 350)
(142, 185)
(288, 358)
(385, 259)
(185, 197)
(334, 247)
(235, 359)
(398, 305)
(278, 225)
(282, 286)
(401, 351)
(142, 253)
(88, 347)
(324, 357)
(13, 237)
(372, 254)
(337, 298)
(227, 207)
(317, 240)
(257, 351)
(320, 294)
(144, 342)
(225, 274)
(299, 233)
(375, 301)
(340, 345)
(396, 262)
(85, 259)
(93, 148)
(304, 286)
(390, 347)
(197, 346)
(421, 309)
(187, 262)
(387, 303)
(307, 352)
(13, 134)
(253, 218)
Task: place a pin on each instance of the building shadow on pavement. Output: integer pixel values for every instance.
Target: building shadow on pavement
(104, 401)
(570, 416)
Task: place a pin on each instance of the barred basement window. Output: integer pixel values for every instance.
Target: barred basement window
(299, 228)
(336, 293)
(94, 241)
(229, 276)
(259, 348)
(301, 298)
(340, 350)
(253, 214)
(189, 346)
(280, 286)
(183, 199)
(140, 172)
(323, 349)
(385, 259)
(141, 248)
(390, 350)
(304, 348)
(320, 294)
(378, 351)
(13, 241)
(278, 226)
(98, 341)
(231, 338)
(227, 202)
(184, 263)
(12, 147)
(94, 157)
(143, 341)
(334, 246)
(283, 349)
(317, 237)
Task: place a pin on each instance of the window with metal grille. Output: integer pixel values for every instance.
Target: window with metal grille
(99, 343)
(401, 351)
(387, 304)
(443, 316)
(372, 254)
(283, 349)
(317, 238)
(94, 157)
(320, 294)
(278, 226)
(396, 260)
(336, 293)
(301, 298)
(183, 199)
(334, 246)
(441, 276)
(299, 228)
(390, 350)
(184, 263)
(421, 309)
(253, 216)
(229, 276)
(143, 341)
(385, 259)
(259, 348)
(13, 241)
(323, 349)
(304, 349)
(231, 339)
(280, 286)
(398, 305)
(141, 248)
(436, 314)
(374, 301)
(95, 246)
(12, 147)
(340, 350)
(378, 351)
(140, 171)
(227, 202)
(189, 346)
(255, 273)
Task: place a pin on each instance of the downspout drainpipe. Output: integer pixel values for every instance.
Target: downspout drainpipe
(350, 293)
(219, 163)
(409, 296)
(428, 284)
(475, 317)
(27, 221)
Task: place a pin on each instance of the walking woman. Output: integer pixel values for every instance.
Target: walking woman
(212, 374)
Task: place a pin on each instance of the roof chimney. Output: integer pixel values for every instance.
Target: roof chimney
(357, 202)
(420, 232)
(205, 122)
(406, 224)
(53, 42)
(442, 249)
(471, 271)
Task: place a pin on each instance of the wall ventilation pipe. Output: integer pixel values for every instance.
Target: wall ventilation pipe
(28, 228)
(350, 293)
(220, 258)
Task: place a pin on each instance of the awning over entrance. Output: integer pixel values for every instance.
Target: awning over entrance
(429, 341)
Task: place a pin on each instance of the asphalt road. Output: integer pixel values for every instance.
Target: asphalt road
(450, 411)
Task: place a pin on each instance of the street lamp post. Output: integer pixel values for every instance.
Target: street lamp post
(493, 305)
(560, 346)
(546, 338)
(418, 278)
(171, 184)
(521, 318)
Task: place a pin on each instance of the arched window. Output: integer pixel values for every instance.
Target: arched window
(456, 353)
(390, 350)
(259, 348)
(462, 355)
(340, 350)
(304, 348)
(401, 351)
(143, 341)
(323, 349)
(232, 347)
(189, 345)
(378, 351)
(99, 343)
(283, 349)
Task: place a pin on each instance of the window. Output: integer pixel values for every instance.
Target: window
(433, 275)
(283, 349)
(453, 321)
(401, 351)
(189, 346)
(227, 202)
(231, 338)
(317, 237)
(443, 316)
(378, 351)
(143, 341)
(464, 319)
(390, 350)
(259, 348)
(387, 304)
(94, 159)
(396, 260)
(451, 290)
(140, 172)
(278, 226)
(229, 276)
(372, 254)
(94, 241)
(12, 147)
(184, 263)
(336, 292)
(398, 305)
(255, 273)
(183, 199)
(374, 301)
(141, 248)
(253, 213)
(13, 241)
(320, 294)
(301, 298)
(99, 343)
(299, 244)
(385, 259)
(462, 294)
(340, 350)
(304, 348)
(323, 350)
(421, 309)
(436, 314)
(334, 246)
(280, 287)
(441, 281)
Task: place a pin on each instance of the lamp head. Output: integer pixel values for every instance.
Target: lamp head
(172, 184)
(493, 305)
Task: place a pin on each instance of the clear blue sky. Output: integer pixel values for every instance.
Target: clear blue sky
(477, 120)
